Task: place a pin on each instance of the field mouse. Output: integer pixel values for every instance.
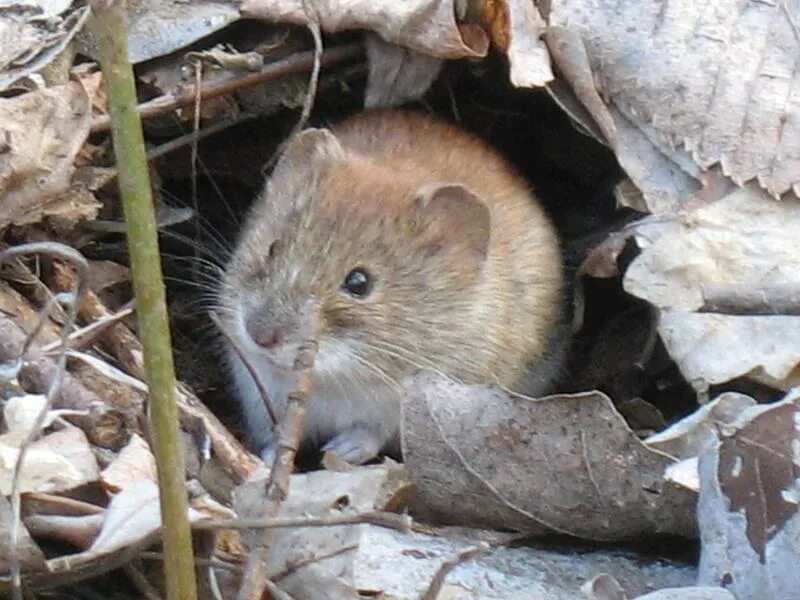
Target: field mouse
(406, 244)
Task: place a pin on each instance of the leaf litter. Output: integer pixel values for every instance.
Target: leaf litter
(708, 161)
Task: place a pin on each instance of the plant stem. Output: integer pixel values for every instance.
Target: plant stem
(109, 25)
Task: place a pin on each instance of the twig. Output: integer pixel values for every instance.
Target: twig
(438, 579)
(109, 25)
(742, 299)
(297, 63)
(237, 347)
(311, 91)
(86, 335)
(381, 519)
(290, 433)
(296, 566)
(71, 300)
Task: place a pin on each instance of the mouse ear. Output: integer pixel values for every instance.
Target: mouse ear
(308, 149)
(457, 214)
(297, 171)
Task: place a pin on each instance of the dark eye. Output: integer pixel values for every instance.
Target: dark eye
(358, 283)
(273, 249)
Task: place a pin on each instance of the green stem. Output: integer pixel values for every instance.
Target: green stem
(109, 25)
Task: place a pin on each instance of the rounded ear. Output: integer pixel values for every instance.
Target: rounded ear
(459, 217)
(295, 176)
(309, 149)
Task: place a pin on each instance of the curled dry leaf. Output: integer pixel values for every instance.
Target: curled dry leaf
(748, 507)
(426, 26)
(516, 28)
(654, 64)
(567, 463)
(666, 177)
(745, 238)
(57, 462)
(42, 132)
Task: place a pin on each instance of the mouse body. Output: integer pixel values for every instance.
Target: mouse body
(399, 243)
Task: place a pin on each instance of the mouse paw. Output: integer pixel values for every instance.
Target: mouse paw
(356, 445)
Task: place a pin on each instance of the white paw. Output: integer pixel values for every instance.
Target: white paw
(356, 445)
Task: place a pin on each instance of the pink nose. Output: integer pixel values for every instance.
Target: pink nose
(267, 338)
(262, 334)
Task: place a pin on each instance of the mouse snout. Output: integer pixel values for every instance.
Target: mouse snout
(264, 334)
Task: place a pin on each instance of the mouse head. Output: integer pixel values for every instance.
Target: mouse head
(378, 262)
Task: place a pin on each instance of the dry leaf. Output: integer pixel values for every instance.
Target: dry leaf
(426, 26)
(528, 58)
(715, 79)
(745, 238)
(134, 462)
(665, 176)
(481, 457)
(56, 462)
(159, 27)
(748, 508)
(42, 133)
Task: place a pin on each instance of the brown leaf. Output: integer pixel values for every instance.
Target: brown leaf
(569, 463)
(748, 507)
(756, 467)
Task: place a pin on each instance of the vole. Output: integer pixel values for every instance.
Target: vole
(405, 244)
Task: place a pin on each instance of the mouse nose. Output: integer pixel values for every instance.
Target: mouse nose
(263, 335)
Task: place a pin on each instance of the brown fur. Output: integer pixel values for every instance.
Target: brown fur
(466, 265)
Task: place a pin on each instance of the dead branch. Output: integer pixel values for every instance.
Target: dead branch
(290, 433)
(743, 299)
(297, 63)
(379, 518)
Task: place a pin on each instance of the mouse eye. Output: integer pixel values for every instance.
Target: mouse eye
(358, 283)
(273, 249)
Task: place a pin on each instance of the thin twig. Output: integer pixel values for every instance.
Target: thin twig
(311, 91)
(237, 347)
(743, 299)
(297, 63)
(296, 566)
(85, 335)
(438, 579)
(379, 518)
(109, 26)
(71, 255)
(290, 432)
